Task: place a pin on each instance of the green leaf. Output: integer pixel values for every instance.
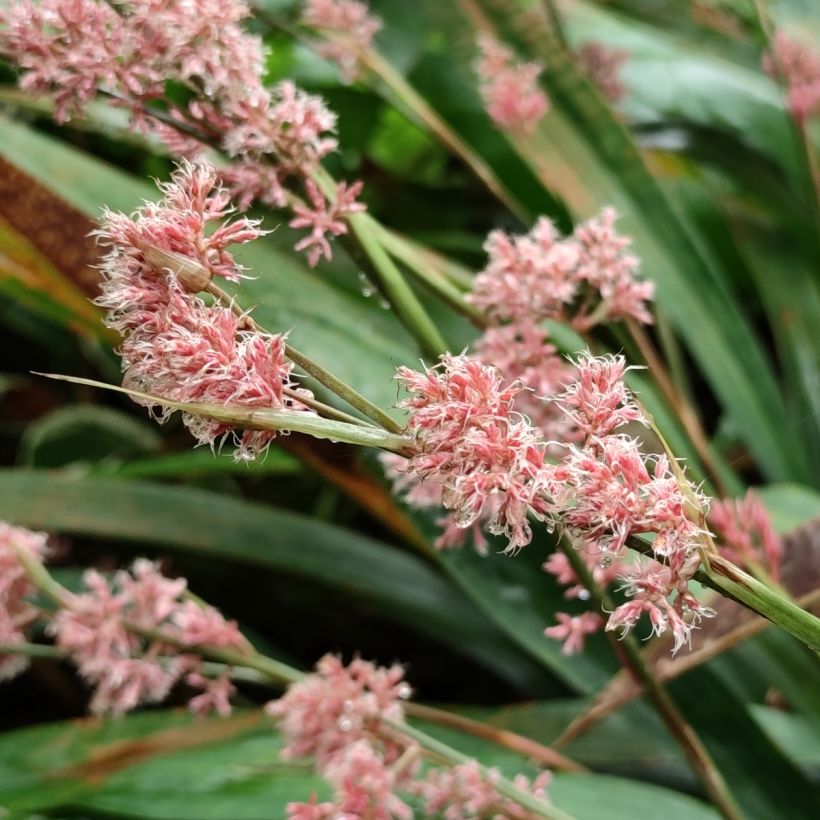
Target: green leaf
(135, 766)
(375, 576)
(84, 433)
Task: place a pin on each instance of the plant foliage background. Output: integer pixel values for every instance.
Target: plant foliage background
(307, 549)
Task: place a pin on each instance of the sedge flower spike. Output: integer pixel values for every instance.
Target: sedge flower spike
(797, 65)
(16, 590)
(745, 534)
(324, 713)
(99, 631)
(350, 26)
(509, 88)
(130, 51)
(468, 439)
(585, 279)
(175, 346)
(602, 65)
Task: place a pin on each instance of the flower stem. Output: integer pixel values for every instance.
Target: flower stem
(410, 311)
(501, 784)
(286, 421)
(630, 655)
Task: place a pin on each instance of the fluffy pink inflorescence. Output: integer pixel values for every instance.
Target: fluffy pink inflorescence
(469, 440)
(583, 280)
(16, 611)
(607, 491)
(324, 218)
(349, 24)
(797, 65)
(466, 791)
(602, 65)
(509, 88)
(175, 346)
(124, 668)
(73, 49)
(323, 714)
(745, 532)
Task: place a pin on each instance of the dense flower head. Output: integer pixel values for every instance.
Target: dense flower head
(797, 65)
(597, 401)
(603, 65)
(467, 791)
(16, 610)
(523, 353)
(175, 346)
(351, 26)
(468, 438)
(745, 532)
(99, 631)
(585, 279)
(324, 713)
(509, 88)
(131, 50)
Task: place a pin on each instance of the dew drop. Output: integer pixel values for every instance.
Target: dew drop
(583, 595)
(606, 561)
(367, 287)
(404, 691)
(345, 724)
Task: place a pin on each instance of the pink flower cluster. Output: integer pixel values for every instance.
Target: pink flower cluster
(509, 88)
(745, 533)
(350, 27)
(583, 280)
(488, 460)
(175, 346)
(797, 65)
(16, 590)
(607, 491)
(603, 65)
(100, 631)
(346, 718)
(75, 49)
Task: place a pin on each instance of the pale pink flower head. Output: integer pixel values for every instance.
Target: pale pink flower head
(215, 696)
(16, 610)
(466, 791)
(468, 439)
(523, 353)
(509, 88)
(325, 218)
(99, 631)
(529, 277)
(797, 65)
(324, 713)
(660, 591)
(350, 27)
(573, 630)
(598, 401)
(745, 532)
(365, 785)
(602, 65)
(606, 265)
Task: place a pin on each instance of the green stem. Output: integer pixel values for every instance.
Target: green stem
(724, 577)
(501, 784)
(629, 653)
(285, 421)
(410, 311)
(438, 284)
(31, 650)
